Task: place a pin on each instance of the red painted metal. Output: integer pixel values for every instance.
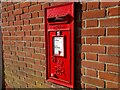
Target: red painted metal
(60, 68)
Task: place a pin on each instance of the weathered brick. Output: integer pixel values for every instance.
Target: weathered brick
(24, 4)
(109, 22)
(95, 49)
(92, 5)
(113, 11)
(93, 65)
(113, 50)
(91, 23)
(18, 11)
(93, 14)
(108, 59)
(90, 56)
(36, 20)
(113, 31)
(109, 41)
(93, 81)
(93, 32)
(91, 40)
(108, 76)
(35, 8)
(113, 68)
(26, 16)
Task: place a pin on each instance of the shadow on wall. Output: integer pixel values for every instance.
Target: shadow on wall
(1, 58)
(78, 26)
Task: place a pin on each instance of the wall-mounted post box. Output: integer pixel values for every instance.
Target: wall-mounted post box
(59, 34)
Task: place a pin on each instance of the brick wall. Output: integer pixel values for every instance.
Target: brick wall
(24, 45)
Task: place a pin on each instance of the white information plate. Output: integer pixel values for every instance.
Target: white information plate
(58, 45)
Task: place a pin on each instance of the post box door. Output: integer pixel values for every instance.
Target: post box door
(59, 48)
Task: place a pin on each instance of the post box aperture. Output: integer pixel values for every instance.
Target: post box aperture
(59, 34)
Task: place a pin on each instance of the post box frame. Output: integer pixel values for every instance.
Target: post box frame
(71, 84)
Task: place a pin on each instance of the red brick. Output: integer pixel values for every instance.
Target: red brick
(26, 16)
(28, 27)
(95, 49)
(108, 4)
(92, 5)
(93, 32)
(109, 41)
(11, 7)
(113, 68)
(112, 85)
(90, 56)
(91, 23)
(109, 22)
(36, 33)
(37, 44)
(19, 28)
(5, 24)
(5, 33)
(11, 18)
(41, 13)
(108, 76)
(108, 59)
(113, 11)
(4, 14)
(28, 49)
(28, 38)
(36, 20)
(3, 9)
(4, 19)
(22, 54)
(91, 40)
(18, 22)
(27, 33)
(17, 6)
(84, 6)
(4, 4)
(36, 27)
(20, 44)
(94, 81)
(19, 33)
(93, 65)
(38, 56)
(11, 23)
(26, 22)
(12, 28)
(34, 14)
(9, 3)
(113, 50)
(45, 5)
(93, 14)
(113, 31)
(25, 10)
(91, 72)
(18, 11)
(36, 38)
(33, 3)
(10, 13)
(35, 8)
(18, 17)
(24, 4)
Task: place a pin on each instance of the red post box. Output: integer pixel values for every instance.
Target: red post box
(59, 34)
